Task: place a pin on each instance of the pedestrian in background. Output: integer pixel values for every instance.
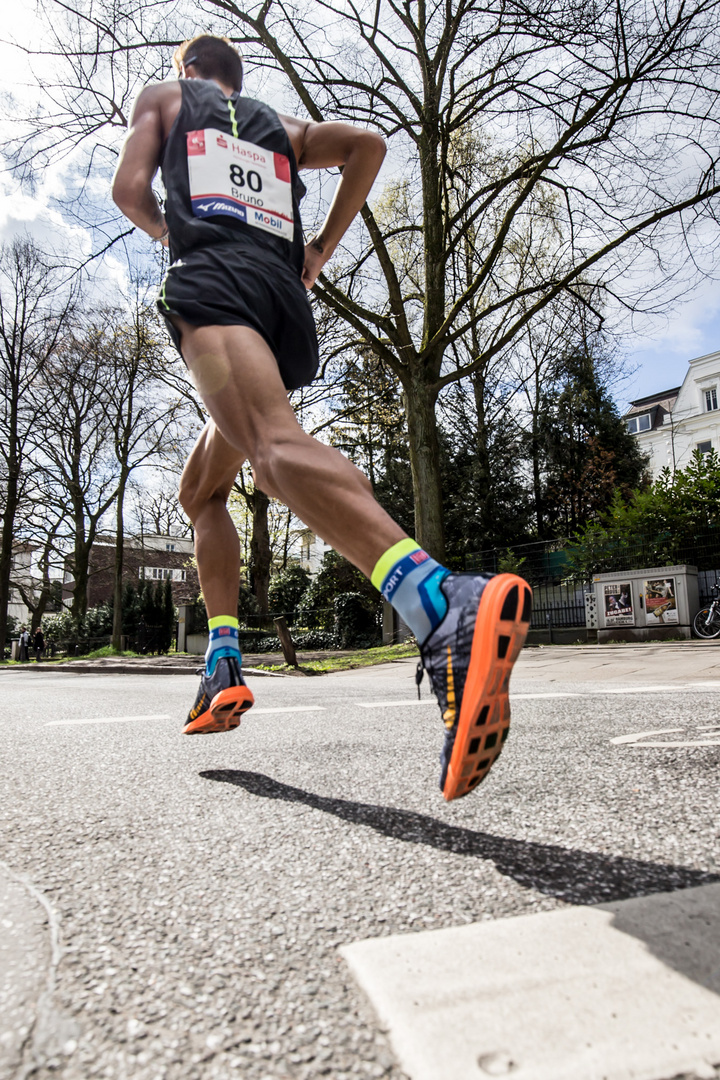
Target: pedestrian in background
(39, 644)
(24, 644)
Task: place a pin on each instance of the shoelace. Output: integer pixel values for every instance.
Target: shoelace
(419, 672)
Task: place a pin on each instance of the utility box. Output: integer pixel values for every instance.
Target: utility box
(646, 605)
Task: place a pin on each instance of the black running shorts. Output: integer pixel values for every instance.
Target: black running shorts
(224, 285)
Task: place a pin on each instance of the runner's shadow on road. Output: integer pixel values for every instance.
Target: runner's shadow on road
(577, 877)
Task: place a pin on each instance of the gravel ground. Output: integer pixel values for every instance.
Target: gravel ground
(202, 886)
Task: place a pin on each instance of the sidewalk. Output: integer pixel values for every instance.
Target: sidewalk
(165, 665)
(671, 661)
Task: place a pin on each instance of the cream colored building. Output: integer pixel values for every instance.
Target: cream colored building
(670, 425)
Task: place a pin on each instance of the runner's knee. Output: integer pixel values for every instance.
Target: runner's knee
(193, 495)
(274, 453)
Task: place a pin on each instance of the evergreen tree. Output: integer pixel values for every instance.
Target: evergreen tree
(371, 430)
(167, 603)
(586, 452)
(130, 609)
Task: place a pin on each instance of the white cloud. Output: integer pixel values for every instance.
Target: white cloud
(661, 353)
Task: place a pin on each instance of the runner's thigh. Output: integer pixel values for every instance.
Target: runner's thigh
(238, 379)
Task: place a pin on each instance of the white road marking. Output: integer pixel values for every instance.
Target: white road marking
(639, 739)
(537, 697)
(641, 689)
(679, 688)
(107, 720)
(622, 739)
(393, 704)
(135, 719)
(293, 709)
(706, 742)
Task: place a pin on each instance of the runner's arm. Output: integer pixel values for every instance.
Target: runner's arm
(139, 161)
(360, 154)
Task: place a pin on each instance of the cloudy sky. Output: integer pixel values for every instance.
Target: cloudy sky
(657, 350)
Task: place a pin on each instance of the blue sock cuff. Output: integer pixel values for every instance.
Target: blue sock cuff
(222, 642)
(401, 570)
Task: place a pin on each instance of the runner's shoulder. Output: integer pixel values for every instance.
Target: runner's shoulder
(157, 95)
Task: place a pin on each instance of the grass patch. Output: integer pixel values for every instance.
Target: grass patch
(362, 658)
(105, 651)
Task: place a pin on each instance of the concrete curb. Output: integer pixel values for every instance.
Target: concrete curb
(622, 991)
(92, 667)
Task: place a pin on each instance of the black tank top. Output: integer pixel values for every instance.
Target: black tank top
(230, 175)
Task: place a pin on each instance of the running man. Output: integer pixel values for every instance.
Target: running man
(235, 301)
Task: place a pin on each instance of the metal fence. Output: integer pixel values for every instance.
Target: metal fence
(559, 594)
(558, 600)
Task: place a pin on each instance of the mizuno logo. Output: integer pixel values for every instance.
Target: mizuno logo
(197, 709)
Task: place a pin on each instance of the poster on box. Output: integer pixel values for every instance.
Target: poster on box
(661, 602)
(618, 605)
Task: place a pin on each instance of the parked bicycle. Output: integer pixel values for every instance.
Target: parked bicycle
(706, 623)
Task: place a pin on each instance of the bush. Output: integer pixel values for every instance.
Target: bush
(286, 590)
(676, 520)
(355, 625)
(63, 630)
(316, 639)
(255, 641)
(312, 618)
(149, 615)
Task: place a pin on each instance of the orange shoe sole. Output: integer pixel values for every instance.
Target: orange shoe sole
(501, 626)
(224, 714)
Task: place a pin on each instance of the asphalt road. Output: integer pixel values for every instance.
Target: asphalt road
(194, 891)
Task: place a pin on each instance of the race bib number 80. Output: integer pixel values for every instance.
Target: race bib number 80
(240, 180)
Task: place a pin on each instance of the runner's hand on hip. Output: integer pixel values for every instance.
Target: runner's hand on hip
(315, 259)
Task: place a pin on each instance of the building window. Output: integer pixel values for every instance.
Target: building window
(638, 423)
(705, 447)
(711, 399)
(161, 573)
(169, 547)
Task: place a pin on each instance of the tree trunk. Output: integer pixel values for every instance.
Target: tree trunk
(419, 402)
(260, 550)
(483, 475)
(117, 627)
(8, 523)
(81, 560)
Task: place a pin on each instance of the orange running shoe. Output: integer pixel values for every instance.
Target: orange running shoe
(469, 657)
(221, 700)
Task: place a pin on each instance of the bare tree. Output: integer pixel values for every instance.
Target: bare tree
(77, 447)
(141, 414)
(607, 113)
(158, 509)
(35, 305)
